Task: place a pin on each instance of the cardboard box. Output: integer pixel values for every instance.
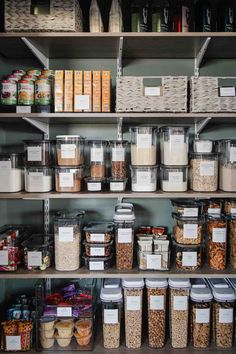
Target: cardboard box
(69, 90)
(88, 91)
(78, 90)
(59, 91)
(106, 91)
(97, 91)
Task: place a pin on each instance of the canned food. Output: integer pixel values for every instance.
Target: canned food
(43, 92)
(25, 93)
(8, 93)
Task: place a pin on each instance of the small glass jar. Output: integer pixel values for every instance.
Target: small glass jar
(38, 152)
(204, 172)
(232, 241)
(118, 154)
(8, 92)
(174, 179)
(188, 231)
(95, 184)
(11, 173)
(143, 146)
(99, 232)
(217, 241)
(174, 146)
(98, 263)
(97, 158)
(203, 146)
(143, 178)
(68, 179)
(187, 208)
(25, 93)
(38, 179)
(38, 252)
(117, 184)
(227, 167)
(213, 206)
(187, 257)
(98, 250)
(70, 150)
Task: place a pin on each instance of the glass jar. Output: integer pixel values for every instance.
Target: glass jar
(187, 257)
(98, 263)
(217, 241)
(70, 150)
(203, 146)
(174, 179)
(43, 91)
(200, 317)
(213, 206)
(112, 301)
(230, 207)
(133, 300)
(97, 158)
(11, 172)
(25, 93)
(99, 232)
(38, 179)
(157, 309)
(204, 172)
(143, 178)
(179, 312)
(143, 146)
(232, 241)
(98, 250)
(118, 152)
(38, 152)
(68, 179)
(95, 184)
(117, 184)
(8, 92)
(188, 231)
(67, 238)
(174, 146)
(228, 165)
(187, 208)
(38, 252)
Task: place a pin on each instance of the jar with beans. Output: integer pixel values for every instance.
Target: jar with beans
(217, 241)
(98, 158)
(204, 172)
(118, 152)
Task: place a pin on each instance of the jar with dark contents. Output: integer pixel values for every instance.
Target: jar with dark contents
(98, 250)
(230, 207)
(98, 263)
(98, 158)
(213, 206)
(118, 152)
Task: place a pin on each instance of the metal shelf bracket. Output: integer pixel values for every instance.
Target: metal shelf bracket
(44, 60)
(199, 126)
(42, 126)
(119, 57)
(120, 129)
(200, 56)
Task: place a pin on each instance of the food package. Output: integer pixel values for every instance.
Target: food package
(115, 17)
(95, 19)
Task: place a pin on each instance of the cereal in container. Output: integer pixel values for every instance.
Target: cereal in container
(143, 146)
(204, 172)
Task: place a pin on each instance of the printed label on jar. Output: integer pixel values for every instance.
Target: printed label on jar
(180, 303)
(35, 259)
(64, 311)
(94, 186)
(13, 343)
(144, 140)
(97, 238)
(233, 154)
(118, 154)
(226, 315)
(176, 177)
(125, 235)
(68, 151)
(111, 316)
(5, 168)
(176, 141)
(66, 179)
(213, 210)
(143, 178)
(133, 303)
(154, 261)
(207, 168)
(97, 251)
(116, 186)
(219, 235)
(202, 316)
(34, 153)
(96, 265)
(97, 154)
(190, 212)
(189, 259)
(36, 179)
(66, 234)
(233, 210)
(190, 231)
(156, 302)
(4, 257)
(203, 146)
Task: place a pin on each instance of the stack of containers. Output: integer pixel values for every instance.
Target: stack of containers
(174, 159)
(70, 160)
(38, 252)
(118, 160)
(143, 159)
(11, 172)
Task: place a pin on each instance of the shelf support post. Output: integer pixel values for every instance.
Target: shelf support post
(120, 129)
(119, 57)
(42, 126)
(199, 126)
(44, 60)
(200, 56)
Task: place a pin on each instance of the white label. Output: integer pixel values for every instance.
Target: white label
(213, 210)
(111, 316)
(94, 186)
(233, 211)
(23, 109)
(5, 168)
(190, 231)
(116, 186)
(4, 257)
(97, 251)
(66, 179)
(68, 151)
(36, 179)
(97, 238)
(66, 234)
(152, 91)
(82, 102)
(144, 141)
(133, 303)
(35, 259)
(96, 265)
(118, 154)
(227, 91)
(13, 343)
(64, 311)
(226, 316)
(153, 261)
(189, 259)
(176, 177)
(34, 153)
(233, 154)
(156, 302)
(191, 212)
(180, 303)
(97, 154)
(125, 235)
(176, 141)
(202, 316)
(203, 146)
(207, 168)
(143, 178)
(219, 235)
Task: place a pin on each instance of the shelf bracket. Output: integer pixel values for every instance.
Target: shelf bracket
(120, 129)
(119, 57)
(42, 126)
(199, 126)
(200, 56)
(44, 60)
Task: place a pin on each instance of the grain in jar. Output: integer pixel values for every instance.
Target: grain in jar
(38, 179)
(188, 230)
(118, 152)
(70, 150)
(174, 178)
(232, 241)
(98, 158)
(174, 146)
(204, 172)
(217, 241)
(213, 206)
(143, 146)
(68, 179)
(230, 207)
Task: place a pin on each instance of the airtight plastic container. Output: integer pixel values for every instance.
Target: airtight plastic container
(11, 172)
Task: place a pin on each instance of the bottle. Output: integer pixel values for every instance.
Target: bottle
(203, 16)
(161, 16)
(226, 16)
(141, 16)
(181, 17)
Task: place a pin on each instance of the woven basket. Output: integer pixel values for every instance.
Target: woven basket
(204, 96)
(65, 16)
(130, 95)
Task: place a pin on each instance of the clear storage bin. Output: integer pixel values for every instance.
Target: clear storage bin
(98, 250)
(68, 179)
(38, 152)
(213, 206)
(99, 232)
(217, 241)
(98, 263)
(143, 146)
(174, 179)
(227, 149)
(203, 146)
(117, 185)
(97, 158)
(153, 254)
(174, 146)
(187, 208)
(95, 184)
(118, 156)
(11, 173)
(232, 241)
(230, 207)
(38, 252)
(38, 179)
(187, 257)
(188, 231)
(16, 335)
(157, 309)
(70, 150)
(133, 299)
(143, 178)
(204, 172)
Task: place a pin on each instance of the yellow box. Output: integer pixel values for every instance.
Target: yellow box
(88, 89)
(59, 91)
(69, 90)
(97, 91)
(106, 91)
(78, 89)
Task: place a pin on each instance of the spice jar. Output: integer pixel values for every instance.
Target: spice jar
(67, 236)
(232, 241)
(204, 172)
(179, 312)
(68, 179)
(70, 150)
(143, 146)
(187, 257)
(200, 316)
(227, 149)
(11, 172)
(217, 241)
(174, 179)
(38, 252)
(99, 232)
(38, 152)
(187, 208)
(124, 235)
(38, 179)
(157, 302)
(118, 152)
(188, 231)
(203, 146)
(97, 158)
(111, 299)
(143, 178)
(133, 299)
(174, 146)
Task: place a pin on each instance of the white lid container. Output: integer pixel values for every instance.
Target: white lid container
(156, 283)
(201, 295)
(124, 212)
(198, 284)
(203, 146)
(179, 283)
(111, 283)
(133, 283)
(224, 295)
(218, 283)
(111, 295)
